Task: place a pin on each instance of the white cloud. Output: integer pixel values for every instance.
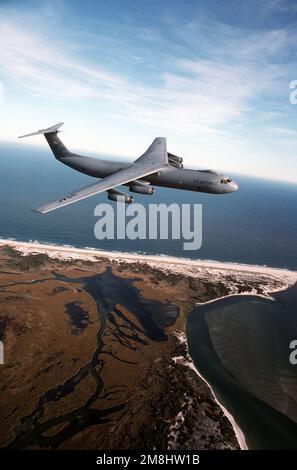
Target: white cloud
(199, 97)
(39, 66)
(282, 130)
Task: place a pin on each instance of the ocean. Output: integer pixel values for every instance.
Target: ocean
(240, 345)
(256, 225)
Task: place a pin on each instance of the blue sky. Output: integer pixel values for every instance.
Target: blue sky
(213, 77)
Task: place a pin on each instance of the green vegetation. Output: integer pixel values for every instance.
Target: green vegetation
(36, 260)
(8, 250)
(24, 263)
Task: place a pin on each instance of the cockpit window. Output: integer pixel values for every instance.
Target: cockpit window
(226, 180)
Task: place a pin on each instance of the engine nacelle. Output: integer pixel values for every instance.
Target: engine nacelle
(117, 196)
(175, 161)
(176, 164)
(142, 189)
(174, 158)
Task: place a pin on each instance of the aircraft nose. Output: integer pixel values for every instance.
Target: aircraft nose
(234, 186)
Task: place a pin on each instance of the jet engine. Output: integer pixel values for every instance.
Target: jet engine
(175, 161)
(118, 196)
(142, 189)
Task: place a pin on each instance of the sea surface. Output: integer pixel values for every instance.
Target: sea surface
(256, 225)
(239, 344)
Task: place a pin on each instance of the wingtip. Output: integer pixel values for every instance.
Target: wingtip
(38, 211)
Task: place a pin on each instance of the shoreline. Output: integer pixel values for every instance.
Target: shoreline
(164, 261)
(181, 336)
(237, 430)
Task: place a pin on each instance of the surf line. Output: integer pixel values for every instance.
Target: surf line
(190, 363)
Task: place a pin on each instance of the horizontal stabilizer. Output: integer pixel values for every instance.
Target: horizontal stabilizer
(44, 131)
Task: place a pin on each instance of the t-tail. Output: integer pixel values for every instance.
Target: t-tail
(56, 145)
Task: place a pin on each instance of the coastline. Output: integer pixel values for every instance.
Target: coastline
(183, 265)
(187, 267)
(190, 363)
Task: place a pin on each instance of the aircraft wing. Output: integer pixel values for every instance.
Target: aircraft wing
(156, 161)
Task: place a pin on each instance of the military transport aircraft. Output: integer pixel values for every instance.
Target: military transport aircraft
(155, 167)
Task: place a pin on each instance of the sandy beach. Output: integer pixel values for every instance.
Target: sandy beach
(177, 265)
(188, 362)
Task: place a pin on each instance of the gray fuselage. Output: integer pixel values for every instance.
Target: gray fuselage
(205, 181)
